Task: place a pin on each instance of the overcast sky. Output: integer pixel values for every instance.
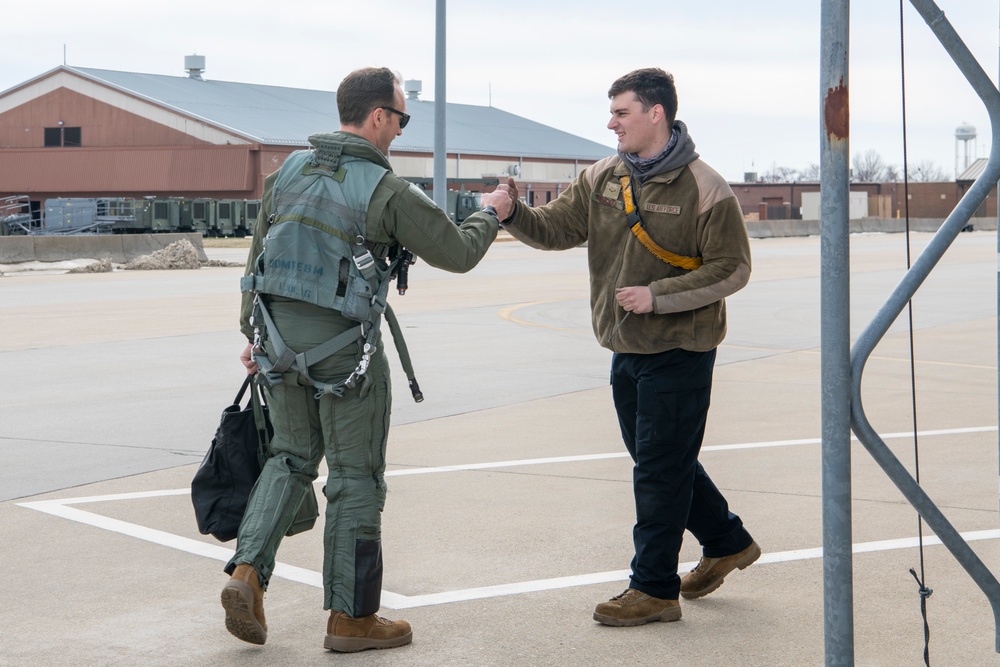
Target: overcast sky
(747, 73)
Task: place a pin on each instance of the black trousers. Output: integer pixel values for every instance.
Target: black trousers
(662, 403)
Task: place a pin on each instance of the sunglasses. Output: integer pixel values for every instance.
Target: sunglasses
(404, 118)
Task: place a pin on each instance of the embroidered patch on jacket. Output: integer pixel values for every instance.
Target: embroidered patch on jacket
(612, 189)
(662, 208)
(601, 199)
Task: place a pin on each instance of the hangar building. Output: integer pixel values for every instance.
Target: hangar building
(79, 132)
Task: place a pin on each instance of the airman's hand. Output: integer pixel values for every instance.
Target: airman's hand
(638, 300)
(510, 187)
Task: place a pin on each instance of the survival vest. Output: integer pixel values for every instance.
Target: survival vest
(316, 251)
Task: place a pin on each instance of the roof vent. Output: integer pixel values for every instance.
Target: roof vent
(194, 65)
(412, 88)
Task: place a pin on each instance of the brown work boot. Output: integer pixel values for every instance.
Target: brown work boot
(347, 635)
(711, 572)
(636, 608)
(243, 600)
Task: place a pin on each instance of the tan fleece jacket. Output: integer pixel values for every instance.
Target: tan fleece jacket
(689, 211)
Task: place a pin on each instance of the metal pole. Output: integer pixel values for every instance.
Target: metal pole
(905, 291)
(440, 100)
(835, 335)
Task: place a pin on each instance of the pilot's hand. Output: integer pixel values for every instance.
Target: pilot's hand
(501, 201)
(247, 359)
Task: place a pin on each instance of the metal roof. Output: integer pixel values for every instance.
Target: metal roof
(287, 116)
(973, 171)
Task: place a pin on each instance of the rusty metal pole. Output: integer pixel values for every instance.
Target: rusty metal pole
(440, 103)
(835, 335)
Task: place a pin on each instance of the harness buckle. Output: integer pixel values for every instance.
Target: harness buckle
(362, 368)
(257, 324)
(364, 262)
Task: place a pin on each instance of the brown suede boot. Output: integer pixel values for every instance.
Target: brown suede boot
(636, 608)
(347, 635)
(243, 600)
(711, 572)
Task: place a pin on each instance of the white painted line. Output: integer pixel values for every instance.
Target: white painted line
(817, 441)
(504, 464)
(941, 431)
(137, 495)
(392, 600)
(622, 575)
(537, 585)
(61, 508)
(396, 601)
(708, 448)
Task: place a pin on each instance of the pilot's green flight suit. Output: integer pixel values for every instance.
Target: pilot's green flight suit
(351, 429)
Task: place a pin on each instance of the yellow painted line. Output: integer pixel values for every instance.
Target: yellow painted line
(924, 362)
(816, 351)
(508, 314)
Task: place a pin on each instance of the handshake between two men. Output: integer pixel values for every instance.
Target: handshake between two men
(503, 199)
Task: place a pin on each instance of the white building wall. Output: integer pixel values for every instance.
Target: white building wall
(480, 167)
(857, 205)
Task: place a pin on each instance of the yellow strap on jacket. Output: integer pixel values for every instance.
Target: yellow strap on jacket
(680, 261)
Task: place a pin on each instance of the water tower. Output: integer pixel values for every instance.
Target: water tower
(965, 137)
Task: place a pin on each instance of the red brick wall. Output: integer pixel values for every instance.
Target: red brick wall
(927, 200)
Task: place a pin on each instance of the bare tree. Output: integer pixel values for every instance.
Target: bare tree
(809, 173)
(868, 167)
(926, 172)
(778, 174)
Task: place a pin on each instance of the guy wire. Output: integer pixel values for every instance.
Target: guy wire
(923, 590)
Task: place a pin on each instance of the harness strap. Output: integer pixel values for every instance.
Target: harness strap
(363, 258)
(296, 193)
(287, 358)
(403, 352)
(367, 331)
(317, 354)
(367, 311)
(639, 231)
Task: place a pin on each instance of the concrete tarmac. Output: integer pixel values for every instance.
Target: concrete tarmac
(510, 504)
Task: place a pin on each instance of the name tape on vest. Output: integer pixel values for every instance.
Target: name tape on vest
(662, 208)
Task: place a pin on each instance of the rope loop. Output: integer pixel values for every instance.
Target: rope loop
(924, 594)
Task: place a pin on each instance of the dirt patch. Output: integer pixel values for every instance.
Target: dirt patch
(222, 262)
(178, 255)
(100, 266)
(225, 242)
